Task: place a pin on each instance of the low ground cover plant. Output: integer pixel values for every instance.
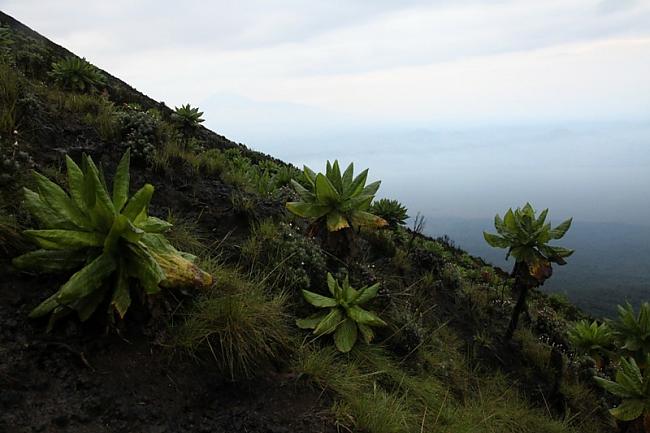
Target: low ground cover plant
(111, 241)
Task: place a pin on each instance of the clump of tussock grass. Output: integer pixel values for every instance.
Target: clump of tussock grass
(237, 326)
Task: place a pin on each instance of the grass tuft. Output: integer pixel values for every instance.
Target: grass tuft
(239, 326)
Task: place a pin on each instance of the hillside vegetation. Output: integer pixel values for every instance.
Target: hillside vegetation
(157, 277)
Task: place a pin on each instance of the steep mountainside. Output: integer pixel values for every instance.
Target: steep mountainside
(229, 357)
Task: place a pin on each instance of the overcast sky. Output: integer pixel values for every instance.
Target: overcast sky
(461, 107)
(378, 60)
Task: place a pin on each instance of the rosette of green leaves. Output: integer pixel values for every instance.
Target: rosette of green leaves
(77, 74)
(633, 331)
(344, 316)
(340, 201)
(633, 387)
(111, 239)
(392, 211)
(527, 239)
(187, 116)
(592, 339)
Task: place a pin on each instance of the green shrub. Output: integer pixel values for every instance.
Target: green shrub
(112, 240)
(141, 134)
(243, 329)
(345, 318)
(391, 211)
(527, 239)
(336, 201)
(282, 254)
(76, 74)
(213, 162)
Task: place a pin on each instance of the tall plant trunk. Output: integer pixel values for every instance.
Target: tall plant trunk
(521, 286)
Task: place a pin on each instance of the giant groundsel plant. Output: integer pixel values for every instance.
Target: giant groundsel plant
(526, 237)
(73, 73)
(633, 330)
(632, 385)
(344, 316)
(110, 239)
(593, 339)
(335, 200)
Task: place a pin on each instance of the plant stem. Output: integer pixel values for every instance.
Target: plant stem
(521, 286)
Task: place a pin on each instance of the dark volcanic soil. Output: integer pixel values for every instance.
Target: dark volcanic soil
(80, 380)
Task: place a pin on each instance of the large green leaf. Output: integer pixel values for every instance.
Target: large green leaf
(362, 316)
(366, 333)
(307, 210)
(326, 193)
(54, 196)
(559, 231)
(121, 181)
(346, 336)
(628, 410)
(357, 184)
(89, 193)
(154, 225)
(143, 266)
(139, 202)
(312, 321)
(76, 184)
(332, 285)
(614, 388)
(87, 280)
(319, 300)
(346, 179)
(349, 293)
(103, 209)
(44, 214)
(304, 193)
(371, 189)
(367, 294)
(330, 322)
(121, 295)
(57, 239)
(51, 260)
(45, 307)
(334, 175)
(310, 175)
(495, 240)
